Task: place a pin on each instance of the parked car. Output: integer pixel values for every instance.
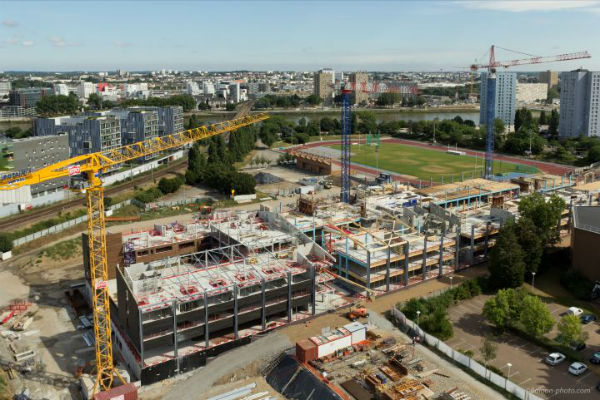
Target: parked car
(577, 368)
(595, 359)
(587, 318)
(575, 311)
(555, 358)
(577, 346)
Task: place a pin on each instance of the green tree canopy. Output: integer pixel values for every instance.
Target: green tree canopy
(6, 243)
(545, 215)
(507, 267)
(535, 317)
(55, 105)
(569, 330)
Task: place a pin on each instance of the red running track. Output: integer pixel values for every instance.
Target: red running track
(548, 168)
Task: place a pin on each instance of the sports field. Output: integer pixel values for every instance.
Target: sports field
(421, 163)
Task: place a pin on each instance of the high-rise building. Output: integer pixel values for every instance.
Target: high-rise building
(27, 97)
(38, 152)
(550, 78)
(324, 81)
(192, 88)
(234, 92)
(61, 89)
(85, 89)
(359, 79)
(579, 103)
(506, 92)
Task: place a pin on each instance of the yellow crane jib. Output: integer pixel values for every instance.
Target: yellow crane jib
(90, 166)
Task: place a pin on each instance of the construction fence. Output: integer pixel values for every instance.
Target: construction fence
(413, 330)
(65, 225)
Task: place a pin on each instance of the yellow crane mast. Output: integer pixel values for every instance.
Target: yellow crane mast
(91, 166)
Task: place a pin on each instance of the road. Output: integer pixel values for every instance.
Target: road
(22, 220)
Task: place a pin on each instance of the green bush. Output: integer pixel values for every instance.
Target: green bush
(6, 243)
(149, 195)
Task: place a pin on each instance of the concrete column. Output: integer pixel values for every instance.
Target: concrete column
(457, 253)
(235, 311)
(406, 252)
(387, 270)
(441, 268)
(174, 309)
(206, 330)
(472, 244)
(487, 236)
(289, 301)
(263, 312)
(313, 297)
(141, 335)
(424, 267)
(368, 269)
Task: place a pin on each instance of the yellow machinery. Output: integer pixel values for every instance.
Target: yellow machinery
(91, 166)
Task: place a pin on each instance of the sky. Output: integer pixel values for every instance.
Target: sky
(425, 35)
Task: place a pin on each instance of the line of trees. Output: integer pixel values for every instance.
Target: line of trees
(59, 104)
(215, 166)
(184, 100)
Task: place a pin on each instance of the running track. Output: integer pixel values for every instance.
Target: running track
(549, 168)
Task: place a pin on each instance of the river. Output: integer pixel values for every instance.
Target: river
(295, 116)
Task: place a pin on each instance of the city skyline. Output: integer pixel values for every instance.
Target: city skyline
(374, 36)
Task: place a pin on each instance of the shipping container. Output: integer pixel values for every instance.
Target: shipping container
(306, 351)
(337, 340)
(123, 392)
(358, 331)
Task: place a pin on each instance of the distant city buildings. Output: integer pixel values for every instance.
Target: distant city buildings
(505, 102)
(85, 89)
(550, 78)
(360, 79)
(33, 153)
(528, 93)
(579, 103)
(5, 87)
(61, 89)
(324, 81)
(28, 97)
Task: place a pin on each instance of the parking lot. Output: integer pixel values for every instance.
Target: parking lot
(528, 368)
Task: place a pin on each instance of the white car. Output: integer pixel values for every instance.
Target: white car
(577, 368)
(555, 358)
(575, 311)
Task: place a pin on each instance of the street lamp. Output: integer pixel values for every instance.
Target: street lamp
(508, 375)
(533, 280)
(418, 314)
(451, 277)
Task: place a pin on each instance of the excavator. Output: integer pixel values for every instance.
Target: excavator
(87, 170)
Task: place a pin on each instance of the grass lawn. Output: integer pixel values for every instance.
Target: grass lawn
(423, 163)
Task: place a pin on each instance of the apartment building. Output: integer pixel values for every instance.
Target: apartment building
(505, 101)
(579, 103)
(359, 79)
(28, 97)
(324, 81)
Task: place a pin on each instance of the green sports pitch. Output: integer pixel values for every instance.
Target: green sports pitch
(427, 164)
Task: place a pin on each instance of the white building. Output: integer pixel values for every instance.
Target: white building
(5, 87)
(192, 88)
(234, 92)
(85, 89)
(208, 88)
(61, 89)
(531, 92)
(579, 103)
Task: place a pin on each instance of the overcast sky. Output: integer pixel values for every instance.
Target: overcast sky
(292, 35)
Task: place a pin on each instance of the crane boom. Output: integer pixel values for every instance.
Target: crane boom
(91, 166)
(533, 60)
(382, 87)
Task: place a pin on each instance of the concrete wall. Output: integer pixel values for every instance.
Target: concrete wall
(585, 245)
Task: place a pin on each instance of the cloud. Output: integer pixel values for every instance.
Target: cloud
(119, 43)
(57, 41)
(10, 23)
(13, 40)
(27, 43)
(529, 5)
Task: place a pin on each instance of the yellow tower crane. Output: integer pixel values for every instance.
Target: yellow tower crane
(91, 166)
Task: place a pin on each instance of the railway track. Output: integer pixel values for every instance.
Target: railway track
(19, 221)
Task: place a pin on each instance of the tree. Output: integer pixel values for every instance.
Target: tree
(488, 349)
(230, 106)
(194, 122)
(594, 154)
(499, 126)
(313, 100)
(507, 267)
(94, 101)
(569, 330)
(327, 124)
(535, 317)
(545, 215)
(531, 243)
(54, 105)
(6, 243)
(553, 123)
(496, 309)
(542, 120)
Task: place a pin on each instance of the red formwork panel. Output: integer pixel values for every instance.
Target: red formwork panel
(123, 392)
